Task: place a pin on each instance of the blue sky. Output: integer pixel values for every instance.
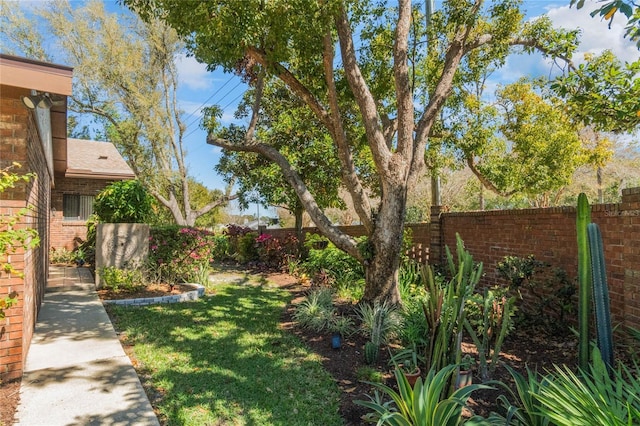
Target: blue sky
(202, 88)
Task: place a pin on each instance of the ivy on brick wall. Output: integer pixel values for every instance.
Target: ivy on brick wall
(13, 237)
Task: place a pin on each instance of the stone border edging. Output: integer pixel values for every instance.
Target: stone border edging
(175, 298)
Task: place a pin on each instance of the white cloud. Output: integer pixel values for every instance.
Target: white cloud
(191, 108)
(193, 74)
(596, 36)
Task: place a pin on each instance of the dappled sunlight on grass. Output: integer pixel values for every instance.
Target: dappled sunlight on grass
(223, 360)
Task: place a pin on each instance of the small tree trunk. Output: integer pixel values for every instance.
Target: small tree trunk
(298, 212)
(599, 178)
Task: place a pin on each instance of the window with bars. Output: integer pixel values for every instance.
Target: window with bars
(77, 207)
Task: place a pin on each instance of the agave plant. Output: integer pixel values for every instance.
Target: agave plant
(426, 404)
(380, 321)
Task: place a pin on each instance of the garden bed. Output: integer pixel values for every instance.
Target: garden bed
(148, 291)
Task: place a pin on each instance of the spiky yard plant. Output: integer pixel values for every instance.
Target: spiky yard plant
(596, 396)
(426, 404)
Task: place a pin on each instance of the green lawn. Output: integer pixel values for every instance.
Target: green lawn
(223, 360)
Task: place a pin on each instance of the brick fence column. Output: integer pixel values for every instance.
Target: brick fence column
(435, 246)
(630, 211)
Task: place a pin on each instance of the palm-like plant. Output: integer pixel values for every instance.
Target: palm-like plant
(426, 404)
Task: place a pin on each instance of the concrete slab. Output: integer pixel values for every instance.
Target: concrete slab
(76, 371)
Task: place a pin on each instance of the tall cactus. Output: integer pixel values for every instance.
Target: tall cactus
(601, 295)
(584, 278)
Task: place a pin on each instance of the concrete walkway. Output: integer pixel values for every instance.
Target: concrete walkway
(76, 371)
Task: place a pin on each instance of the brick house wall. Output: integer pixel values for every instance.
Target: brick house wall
(20, 142)
(68, 233)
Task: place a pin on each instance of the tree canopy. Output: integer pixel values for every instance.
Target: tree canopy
(397, 80)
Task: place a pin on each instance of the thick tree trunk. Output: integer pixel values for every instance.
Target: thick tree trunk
(382, 255)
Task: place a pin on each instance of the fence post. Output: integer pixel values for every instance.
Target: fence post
(435, 246)
(630, 211)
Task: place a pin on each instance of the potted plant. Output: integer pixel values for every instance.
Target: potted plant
(408, 360)
(340, 327)
(465, 376)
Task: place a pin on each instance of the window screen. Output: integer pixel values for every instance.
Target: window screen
(77, 207)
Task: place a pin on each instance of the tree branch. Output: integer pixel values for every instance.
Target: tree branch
(340, 239)
(406, 119)
(364, 98)
(293, 83)
(361, 201)
(486, 182)
(453, 57)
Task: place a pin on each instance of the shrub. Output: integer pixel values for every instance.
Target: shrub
(247, 248)
(124, 201)
(234, 233)
(221, 248)
(276, 252)
(61, 255)
(316, 311)
(179, 254)
(549, 294)
(121, 279)
(331, 266)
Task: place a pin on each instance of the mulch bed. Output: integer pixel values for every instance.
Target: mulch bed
(523, 348)
(151, 290)
(9, 400)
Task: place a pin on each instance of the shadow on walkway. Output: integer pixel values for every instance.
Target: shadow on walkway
(76, 371)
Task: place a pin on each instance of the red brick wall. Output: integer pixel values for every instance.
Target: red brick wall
(550, 235)
(67, 233)
(20, 143)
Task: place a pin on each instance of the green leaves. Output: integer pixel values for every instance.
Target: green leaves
(603, 92)
(13, 238)
(123, 202)
(609, 10)
(593, 396)
(426, 404)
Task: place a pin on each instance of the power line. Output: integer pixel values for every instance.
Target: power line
(197, 110)
(225, 107)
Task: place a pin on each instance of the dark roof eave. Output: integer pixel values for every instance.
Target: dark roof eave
(97, 175)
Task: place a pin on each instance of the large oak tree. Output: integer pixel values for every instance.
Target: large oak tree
(376, 54)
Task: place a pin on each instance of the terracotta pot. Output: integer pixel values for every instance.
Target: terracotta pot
(464, 378)
(412, 377)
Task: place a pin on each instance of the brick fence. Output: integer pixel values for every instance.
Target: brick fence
(547, 233)
(550, 235)
(420, 233)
